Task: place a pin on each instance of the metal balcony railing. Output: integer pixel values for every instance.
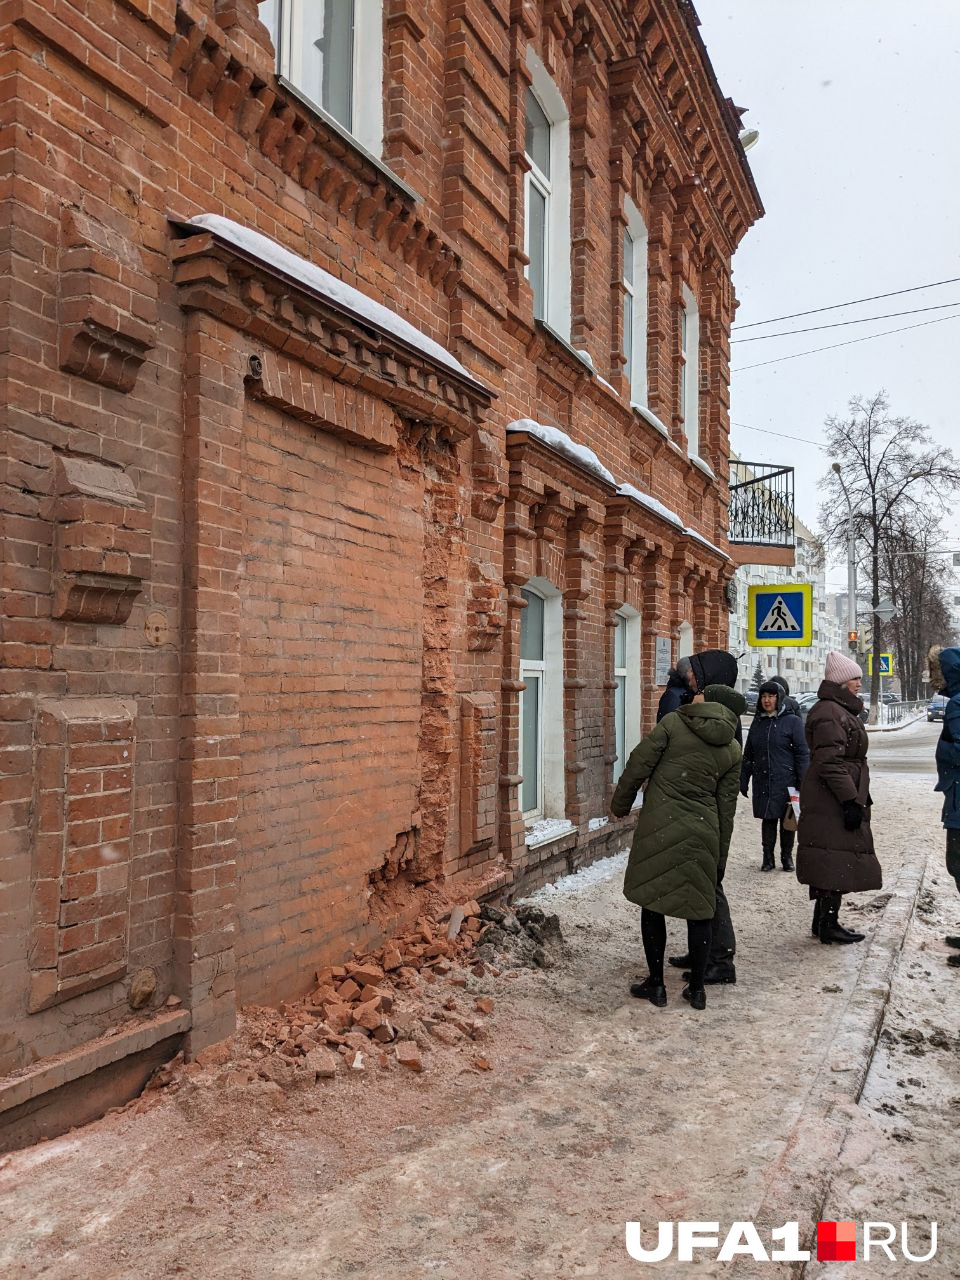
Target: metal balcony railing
(762, 511)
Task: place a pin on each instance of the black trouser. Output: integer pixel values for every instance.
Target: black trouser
(723, 944)
(768, 838)
(653, 931)
(953, 855)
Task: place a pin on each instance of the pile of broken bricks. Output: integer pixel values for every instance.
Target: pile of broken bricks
(378, 1008)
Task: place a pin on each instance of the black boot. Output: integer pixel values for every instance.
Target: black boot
(815, 927)
(718, 973)
(680, 962)
(952, 941)
(786, 861)
(830, 928)
(768, 839)
(655, 992)
(696, 996)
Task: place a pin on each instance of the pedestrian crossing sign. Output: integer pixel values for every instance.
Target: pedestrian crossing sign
(781, 615)
(886, 664)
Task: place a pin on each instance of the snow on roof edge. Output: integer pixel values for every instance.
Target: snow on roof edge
(320, 281)
(559, 440)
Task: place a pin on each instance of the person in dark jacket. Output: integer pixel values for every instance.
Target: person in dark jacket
(948, 764)
(775, 757)
(711, 667)
(690, 765)
(789, 704)
(692, 675)
(835, 852)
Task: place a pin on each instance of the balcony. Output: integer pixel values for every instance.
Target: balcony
(762, 514)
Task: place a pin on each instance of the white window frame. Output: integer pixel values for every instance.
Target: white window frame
(636, 289)
(283, 18)
(684, 641)
(690, 371)
(551, 781)
(627, 702)
(557, 268)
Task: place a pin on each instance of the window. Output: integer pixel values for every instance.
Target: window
(542, 792)
(635, 304)
(626, 696)
(690, 372)
(332, 51)
(547, 199)
(685, 641)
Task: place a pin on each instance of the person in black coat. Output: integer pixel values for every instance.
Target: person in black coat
(690, 677)
(776, 757)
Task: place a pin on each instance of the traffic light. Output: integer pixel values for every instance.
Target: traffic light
(852, 639)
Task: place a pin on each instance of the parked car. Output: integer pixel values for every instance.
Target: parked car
(752, 698)
(808, 700)
(937, 707)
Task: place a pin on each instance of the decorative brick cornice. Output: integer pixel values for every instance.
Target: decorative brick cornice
(306, 146)
(251, 296)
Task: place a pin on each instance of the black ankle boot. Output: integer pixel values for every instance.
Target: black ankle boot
(680, 962)
(768, 864)
(786, 861)
(952, 941)
(695, 996)
(655, 992)
(830, 928)
(720, 974)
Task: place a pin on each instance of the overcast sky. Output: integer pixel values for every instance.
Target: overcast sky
(858, 166)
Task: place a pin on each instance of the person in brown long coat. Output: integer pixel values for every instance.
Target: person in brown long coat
(835, 843)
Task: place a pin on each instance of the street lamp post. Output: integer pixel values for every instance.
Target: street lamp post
(851, 563)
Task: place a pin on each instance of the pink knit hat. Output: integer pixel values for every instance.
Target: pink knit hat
(840, 669)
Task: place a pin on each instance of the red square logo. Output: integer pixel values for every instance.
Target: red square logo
(836, 1242)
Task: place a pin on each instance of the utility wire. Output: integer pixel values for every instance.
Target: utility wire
(780, 434)
(839, 324)
(851, 343)
(876, 297)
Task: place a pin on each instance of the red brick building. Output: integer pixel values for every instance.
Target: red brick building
(365, 441)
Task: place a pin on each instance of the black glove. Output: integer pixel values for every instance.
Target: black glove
(744, 790)
(852, 815)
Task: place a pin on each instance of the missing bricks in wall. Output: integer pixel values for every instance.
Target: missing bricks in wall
(397, 861)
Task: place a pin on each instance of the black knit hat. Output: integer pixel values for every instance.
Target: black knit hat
(774, 687)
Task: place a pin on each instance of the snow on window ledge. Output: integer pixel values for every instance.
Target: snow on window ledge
(595, 824)
(649, 416)
(314, 278)
(546, 830)
(705, 467)
(561, 442)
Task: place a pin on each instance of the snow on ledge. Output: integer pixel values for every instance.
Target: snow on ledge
(649, 416)
(705, 467)
(560, 441)
(547, 830)
(596, 823)
(707, 543)
(652, 504)
(322, 282)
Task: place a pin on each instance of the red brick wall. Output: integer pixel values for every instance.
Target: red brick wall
(163, 508)
(330, 649)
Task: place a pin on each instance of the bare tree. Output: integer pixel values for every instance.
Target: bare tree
(891, 471)
(912, 576)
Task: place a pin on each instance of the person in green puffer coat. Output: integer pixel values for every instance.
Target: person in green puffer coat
(690, 764)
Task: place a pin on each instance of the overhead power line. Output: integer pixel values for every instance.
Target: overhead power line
(855, 302)
(782, 435)
(839, 324)
(851, 343)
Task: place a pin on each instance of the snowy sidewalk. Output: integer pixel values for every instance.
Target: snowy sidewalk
(599, 1110)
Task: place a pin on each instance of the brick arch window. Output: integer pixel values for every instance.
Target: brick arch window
(627, 685)
(542, 792)
(689, 373)
(331, 51)
(547, 199)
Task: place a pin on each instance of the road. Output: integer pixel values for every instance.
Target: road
(777, 1103)
(909, 750)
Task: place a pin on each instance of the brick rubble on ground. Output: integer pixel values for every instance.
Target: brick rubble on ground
(391, 1008)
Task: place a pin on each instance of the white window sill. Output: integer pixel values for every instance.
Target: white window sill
(547, 830)
(705, 467)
